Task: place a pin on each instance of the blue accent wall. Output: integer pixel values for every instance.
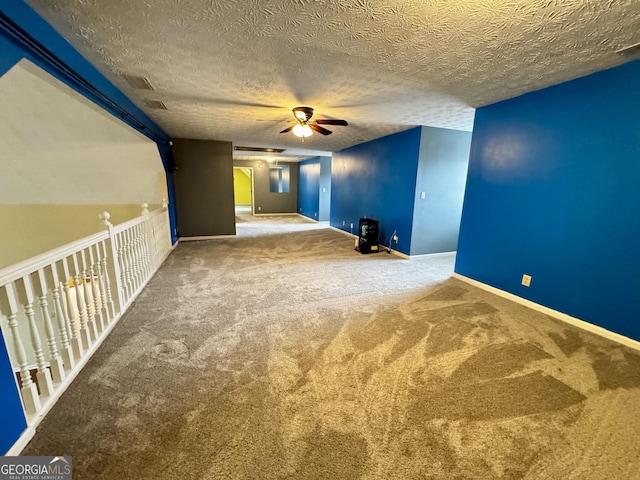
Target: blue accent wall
(12, 421)
(314, 188)
(24, 34)
(309, 188)
(377, 179)
(553, 192)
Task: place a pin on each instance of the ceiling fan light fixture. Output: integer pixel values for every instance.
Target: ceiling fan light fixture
(303, 114)
(302, 130)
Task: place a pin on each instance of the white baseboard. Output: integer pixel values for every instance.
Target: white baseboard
(576, 322)
(395, 252)
(274, 214)
(22, 442)
(434, 254)
(400, 254)
(326, 222)
(204, 237)
(48, 403)
(342, 231)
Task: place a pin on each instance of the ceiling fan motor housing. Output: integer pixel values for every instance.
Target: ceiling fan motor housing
(304, 128)
(303, 114)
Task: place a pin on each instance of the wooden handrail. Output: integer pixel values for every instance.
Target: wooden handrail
(25, 267)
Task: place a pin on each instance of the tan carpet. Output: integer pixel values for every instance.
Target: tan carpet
(284, 354)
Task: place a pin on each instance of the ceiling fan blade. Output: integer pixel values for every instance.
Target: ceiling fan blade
(332, 122)
(319, 129)
(288, 129)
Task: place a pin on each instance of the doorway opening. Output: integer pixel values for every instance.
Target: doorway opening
(243, 191)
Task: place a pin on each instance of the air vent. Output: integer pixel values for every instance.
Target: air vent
(259, 149)
(630, 51)
(155, 104)
(139, 83)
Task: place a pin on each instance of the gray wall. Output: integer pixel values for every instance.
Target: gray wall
(264, 200)
(442, 173)
(325, 189)
(204, 187)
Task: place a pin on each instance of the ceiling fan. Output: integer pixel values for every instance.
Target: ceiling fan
(304, 128)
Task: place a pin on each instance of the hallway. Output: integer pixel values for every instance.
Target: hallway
(283, 354)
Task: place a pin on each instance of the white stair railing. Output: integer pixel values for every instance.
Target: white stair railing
(59, 306)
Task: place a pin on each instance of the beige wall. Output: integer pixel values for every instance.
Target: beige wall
(36, 229)
(57, 147)
(63, 160)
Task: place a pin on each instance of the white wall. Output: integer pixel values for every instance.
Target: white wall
(58, 148)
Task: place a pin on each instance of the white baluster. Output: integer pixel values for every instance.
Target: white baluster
(144, 255)
(166, 234)
(98, 300)
(107, 282)
(144, 249)
(28, 390)
(153, 244)
(88, 298)
(55, 360)
(44, 375)
(162, 238)
(133, 267)
(105, 298)
(145, 229)
(135, 260)
(82, 308)
(124, 265)
(137, 250)
(112, 254)
(63, 322)
(148, 242)
(76, 341)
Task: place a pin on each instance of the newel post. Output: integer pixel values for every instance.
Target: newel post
(113, 264)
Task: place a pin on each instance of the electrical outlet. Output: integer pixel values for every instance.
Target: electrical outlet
(259, 209)
(344, 223)
(422, 195)
(395, 238)
(352, 225)
(301, 210)
(526, 280)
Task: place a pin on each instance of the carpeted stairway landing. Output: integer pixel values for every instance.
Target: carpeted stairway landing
(284, 354)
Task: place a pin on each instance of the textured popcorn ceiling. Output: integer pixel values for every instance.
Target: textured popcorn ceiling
(226, 69)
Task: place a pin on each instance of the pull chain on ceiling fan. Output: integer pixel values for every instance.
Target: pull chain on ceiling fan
(304, 128)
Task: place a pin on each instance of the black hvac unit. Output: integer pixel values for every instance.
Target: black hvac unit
(368, 235)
